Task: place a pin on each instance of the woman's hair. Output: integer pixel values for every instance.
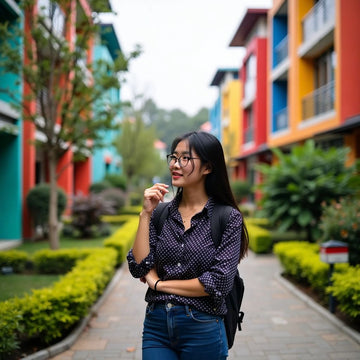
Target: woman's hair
(209, 149)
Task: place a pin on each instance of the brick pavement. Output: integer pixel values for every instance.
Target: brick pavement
(278, 325)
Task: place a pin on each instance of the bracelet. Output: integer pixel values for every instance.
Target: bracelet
(156, 284)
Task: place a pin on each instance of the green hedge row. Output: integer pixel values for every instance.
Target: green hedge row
(122, 239)
(259, 238)
(15, 259)
(302, 261)
(49, 313)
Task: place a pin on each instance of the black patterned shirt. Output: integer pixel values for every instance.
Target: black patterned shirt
(179, 255)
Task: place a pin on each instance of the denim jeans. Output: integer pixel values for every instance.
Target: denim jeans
(178, 332)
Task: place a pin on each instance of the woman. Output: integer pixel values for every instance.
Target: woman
(188, 277)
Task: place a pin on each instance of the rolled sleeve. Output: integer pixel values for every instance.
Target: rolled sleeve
(139, 270)
(218, 281)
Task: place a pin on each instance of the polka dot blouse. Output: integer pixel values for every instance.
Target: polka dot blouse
(179, 255)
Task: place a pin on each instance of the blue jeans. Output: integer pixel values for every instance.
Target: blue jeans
(178, 332)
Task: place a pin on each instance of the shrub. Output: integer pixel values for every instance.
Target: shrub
(100, 186)
(346, 289)
(49, 313)
(341, 221)
(15, 259)
(123, 239)
(10, 327)
(57, 261)
(116, 196)
(87, 212)
(259, 239)
(38, 200)
(294, 189)
(241, 189)
(118, 181)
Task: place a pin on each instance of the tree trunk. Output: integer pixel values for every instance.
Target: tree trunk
(53, 215)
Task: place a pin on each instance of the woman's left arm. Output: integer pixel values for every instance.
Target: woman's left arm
(190, 287)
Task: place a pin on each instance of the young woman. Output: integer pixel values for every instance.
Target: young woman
(188, 277)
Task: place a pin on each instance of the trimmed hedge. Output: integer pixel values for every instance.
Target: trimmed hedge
(123, 239)
(301, 260)
(14, 258)
(57, 262)
(49, 313)
(259, 239)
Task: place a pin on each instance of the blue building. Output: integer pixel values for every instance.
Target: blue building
(10, 140)
(106, 160)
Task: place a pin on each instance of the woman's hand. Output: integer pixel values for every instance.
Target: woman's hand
(151, 277)
(153, 195)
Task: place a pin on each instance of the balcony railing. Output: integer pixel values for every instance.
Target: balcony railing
(322, 13)
(319, 101)
(249, 135)
(281, 51)
(281, 120)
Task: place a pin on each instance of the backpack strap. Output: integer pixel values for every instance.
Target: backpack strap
(218, 222)
(161, 213)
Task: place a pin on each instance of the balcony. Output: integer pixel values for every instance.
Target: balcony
(319, 101)
(281, 51)
(281, 120)
(249, 93)
(249, 135)
(318, 29)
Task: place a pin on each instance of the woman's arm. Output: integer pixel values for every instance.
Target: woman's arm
(152, 196)
(190, 287)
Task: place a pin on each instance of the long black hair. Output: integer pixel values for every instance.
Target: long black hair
(209, 149)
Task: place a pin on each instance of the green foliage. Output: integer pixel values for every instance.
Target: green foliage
(346, 290)
(117, 181)
(341, 221)
(116, 196)
(100, 186)
(302, 261)
(87, 211)
(136, 147)
(10, 326)
(48, 314)
(123, 239)
(241, 189)
(57, 261)
(295, 187)
(259, 239)
(15, 259)
(38, 200)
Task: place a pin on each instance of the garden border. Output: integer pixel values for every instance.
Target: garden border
(314, 305)
(66, 343)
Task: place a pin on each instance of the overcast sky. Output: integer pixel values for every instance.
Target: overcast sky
(184, 42)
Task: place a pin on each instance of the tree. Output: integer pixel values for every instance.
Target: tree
(136, 147)
(60, 78)
(294, 189)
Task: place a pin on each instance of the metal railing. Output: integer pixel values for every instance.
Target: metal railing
(249, 135)
(281, 51)
(317, 17)
(281, 120)
(319, 101)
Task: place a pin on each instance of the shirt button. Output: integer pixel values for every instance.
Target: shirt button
(182, 245)
(178, 264)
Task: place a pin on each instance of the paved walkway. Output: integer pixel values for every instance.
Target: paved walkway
(278, 325)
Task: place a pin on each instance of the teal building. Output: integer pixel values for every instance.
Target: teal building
(10, 139)
(106, 160)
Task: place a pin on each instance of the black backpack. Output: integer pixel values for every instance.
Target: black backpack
(220, 217)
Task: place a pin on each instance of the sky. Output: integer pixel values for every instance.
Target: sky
(184, 42)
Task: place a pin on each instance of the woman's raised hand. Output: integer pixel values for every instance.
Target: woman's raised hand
(153, 195)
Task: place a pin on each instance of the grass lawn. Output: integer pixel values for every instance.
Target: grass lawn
(18, 284)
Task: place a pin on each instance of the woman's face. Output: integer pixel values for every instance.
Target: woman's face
(189, 171)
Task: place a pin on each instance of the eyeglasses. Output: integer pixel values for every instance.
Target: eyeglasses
(183, 160)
